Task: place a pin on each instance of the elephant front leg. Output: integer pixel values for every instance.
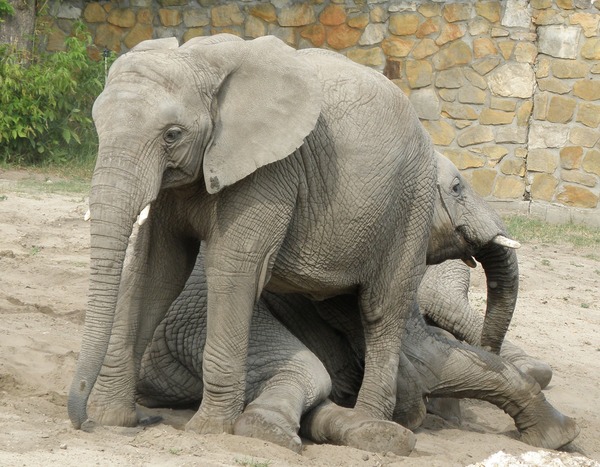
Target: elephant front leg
(231, 297)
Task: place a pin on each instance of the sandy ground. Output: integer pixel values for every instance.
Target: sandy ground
(43, 285)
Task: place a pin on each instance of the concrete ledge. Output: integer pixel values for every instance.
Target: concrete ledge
(549, 212)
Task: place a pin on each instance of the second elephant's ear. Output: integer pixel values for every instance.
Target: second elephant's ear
(267, 103)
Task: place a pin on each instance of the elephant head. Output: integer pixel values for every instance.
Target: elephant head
(466, 227)
(215, 109)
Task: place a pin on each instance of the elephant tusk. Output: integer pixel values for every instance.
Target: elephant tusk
(507, 242)
(144, 215)
(470, 262)
(87, 216)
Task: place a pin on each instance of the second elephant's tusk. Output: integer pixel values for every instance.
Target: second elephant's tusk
(470, 262)
(507, 242)
(144, 215)
(87, 216)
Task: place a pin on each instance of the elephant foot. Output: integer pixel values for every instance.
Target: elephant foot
(115, 416)
(547, 427)
(410, 417)
(206, 425)
(330, 423)
(446, 408)
(269, 426)
(380, 436)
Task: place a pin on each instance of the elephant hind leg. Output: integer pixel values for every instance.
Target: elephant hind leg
(330, 423)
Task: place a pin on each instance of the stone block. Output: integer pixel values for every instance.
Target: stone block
(589, 114)
(428, 27)
(587, 89)
(430, 9)
(378, 14)
(591, 48)
(298, 14)
(227, 15)
(169, 17)
(109, 36)
(459, 112)
(565, 4)
(484, 46)
(475, 79)
(333, 15)
(524, 113)
(122, 17)
(482, 181)
(56, 40)
(475, 135)
(193, 32)
(397, 47)
(485, 65)
(370, 57)
(94, 13)
(145, 16)
(374, 33)
(499, 32)
(591, 162)
(508, 105)
(511, 134)
(468, 94)
(140, 32)
(464, 159)
(343, 36)
(588, 21)
(553, 85)
(509, 187)
(495, 117)
(418, 73)
(426, 103)
(506, 48)
(569, 68)
(525, 52)
(547, 17)
(547, 135)
(560, 109)
(581, 178)
(452, 79)
(543, 67)
(542, 160)
(570, 157)
(168, 3)
(442, 133)
(586, 137)
(540, 106)
(494, 154)
(559, 41)
(541, 4)
(68, 11)
(254, 27)
(479, 27)
(488, 10)
(359, 21)
(404, 24)
(425, 48)
(286, 34)
(513, 166)
(517, 14)
(264, 11)
(195, 18)
(455, 54)
(315, 33)
(458, 12)
(575, 196)
(543, 186)
(512, 80)
(451, 32)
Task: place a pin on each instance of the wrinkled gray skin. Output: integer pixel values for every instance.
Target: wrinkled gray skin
(300, 170)
(443, 300)
(286, 379)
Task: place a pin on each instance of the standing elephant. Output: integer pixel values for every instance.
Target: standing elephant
(301, 171)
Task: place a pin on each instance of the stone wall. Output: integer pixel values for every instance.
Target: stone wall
(509, 90)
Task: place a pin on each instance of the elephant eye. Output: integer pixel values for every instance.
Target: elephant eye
(172, 135)
(456, 187)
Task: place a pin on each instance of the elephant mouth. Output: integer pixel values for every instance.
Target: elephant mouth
(474, 247)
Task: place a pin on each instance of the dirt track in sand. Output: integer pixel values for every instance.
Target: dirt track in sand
(43, 285)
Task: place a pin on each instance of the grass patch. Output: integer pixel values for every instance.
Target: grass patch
(527, 229)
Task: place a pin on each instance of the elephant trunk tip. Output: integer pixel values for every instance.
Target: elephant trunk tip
(77, 404)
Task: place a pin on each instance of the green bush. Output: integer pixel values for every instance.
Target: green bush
(6, 9)
(45, 103)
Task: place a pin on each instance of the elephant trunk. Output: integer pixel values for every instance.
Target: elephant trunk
(115, 201)
(502, 276)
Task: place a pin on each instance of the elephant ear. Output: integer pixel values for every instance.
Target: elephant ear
(268, 101)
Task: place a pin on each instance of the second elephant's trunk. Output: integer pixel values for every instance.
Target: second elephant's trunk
(502, 275)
